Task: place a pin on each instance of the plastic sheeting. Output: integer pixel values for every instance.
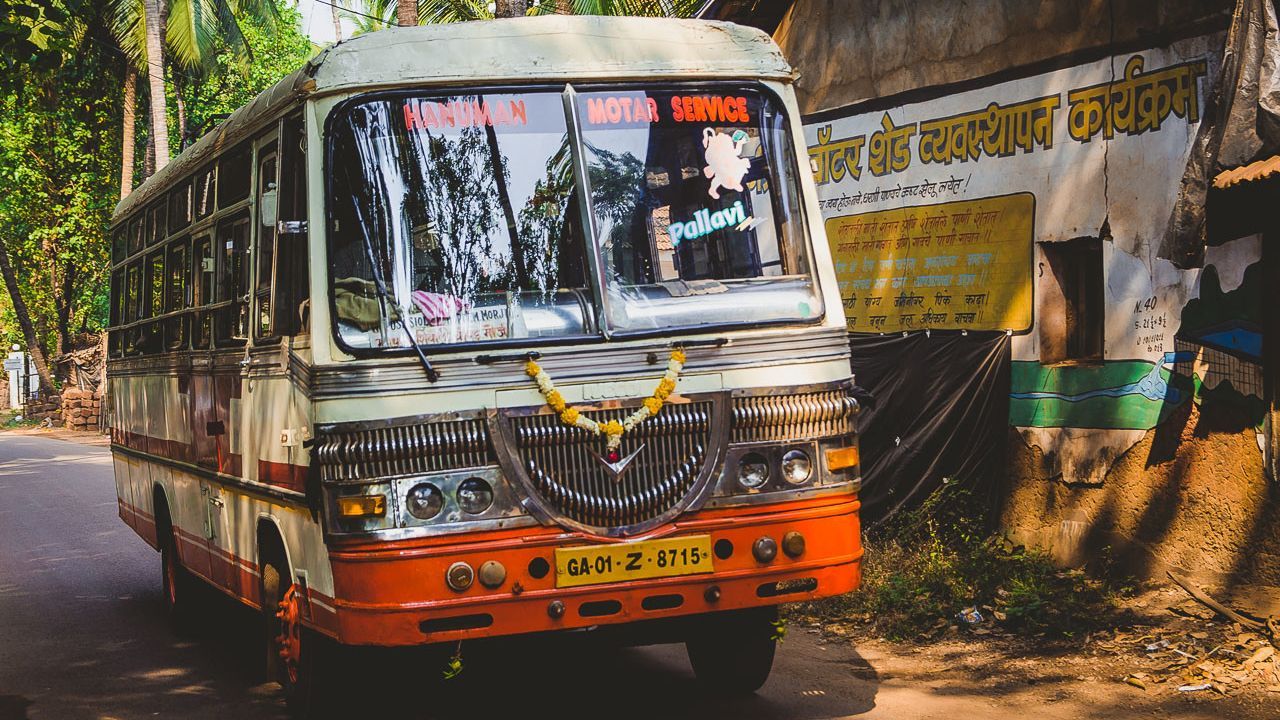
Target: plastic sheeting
(1241, 124)
(938, 412)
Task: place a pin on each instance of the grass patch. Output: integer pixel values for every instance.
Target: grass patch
(923, 569)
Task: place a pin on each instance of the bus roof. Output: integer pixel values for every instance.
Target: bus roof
(552, 48)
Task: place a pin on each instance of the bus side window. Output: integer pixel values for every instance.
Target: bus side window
(135, 234)
(291, 280)
(159, 222)
(180, 207)
(233, 176)
(202, 273)
(205, 182)
(232, 326)
(176, 297)
(153, 302)
(266, 245)
(119, 240)
(132, 306)
(116, 337)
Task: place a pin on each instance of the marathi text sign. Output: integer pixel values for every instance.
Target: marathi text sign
(956, 265)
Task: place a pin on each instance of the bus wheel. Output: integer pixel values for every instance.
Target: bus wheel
(295, 657)
(176, 585)
(732, 652)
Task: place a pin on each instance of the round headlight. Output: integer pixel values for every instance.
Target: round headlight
(424, 501)
(475, 495)
(753, 471)
(796, 468)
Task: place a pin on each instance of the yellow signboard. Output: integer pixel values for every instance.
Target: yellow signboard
(962, 265)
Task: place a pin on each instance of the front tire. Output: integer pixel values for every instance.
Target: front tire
(732, 652)
(297, 658)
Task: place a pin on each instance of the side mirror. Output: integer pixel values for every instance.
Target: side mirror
(267, 208)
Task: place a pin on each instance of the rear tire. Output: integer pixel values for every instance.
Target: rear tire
(176, 584)
(732, 652)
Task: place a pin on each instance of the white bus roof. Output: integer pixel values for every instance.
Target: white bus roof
(552, 48)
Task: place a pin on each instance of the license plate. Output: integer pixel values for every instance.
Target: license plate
(594, 564)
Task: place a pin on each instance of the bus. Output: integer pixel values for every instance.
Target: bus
(486, 329)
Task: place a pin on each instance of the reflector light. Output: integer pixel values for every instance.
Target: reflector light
(360, 506)
(841, 458)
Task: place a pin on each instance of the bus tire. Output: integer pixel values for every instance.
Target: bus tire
(295, 657)
(732, 652)
(177, 587)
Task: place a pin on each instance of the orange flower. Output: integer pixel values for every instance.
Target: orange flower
(569, 416)
(555, 400)
(613, 427)
(678, 355)
(665, 388)
(531, 368)
(653, 404)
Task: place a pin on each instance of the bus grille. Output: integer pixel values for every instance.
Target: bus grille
(672, 450)
(403, 450)
(779, 418)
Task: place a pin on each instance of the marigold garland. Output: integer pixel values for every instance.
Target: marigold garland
(612, 429)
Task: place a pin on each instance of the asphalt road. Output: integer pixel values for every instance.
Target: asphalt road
(82, 636)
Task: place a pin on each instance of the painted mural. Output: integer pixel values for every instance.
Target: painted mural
(1098, 150)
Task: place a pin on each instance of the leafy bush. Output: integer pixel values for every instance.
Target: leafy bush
(924, 567)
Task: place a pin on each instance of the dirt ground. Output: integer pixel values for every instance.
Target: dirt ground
(1166, 656)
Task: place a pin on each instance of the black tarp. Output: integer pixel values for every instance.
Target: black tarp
(939, 411)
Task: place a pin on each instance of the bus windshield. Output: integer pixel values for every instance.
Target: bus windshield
(466, 208)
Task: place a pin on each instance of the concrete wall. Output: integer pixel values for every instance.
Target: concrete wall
(852, 50)
(1152, 452)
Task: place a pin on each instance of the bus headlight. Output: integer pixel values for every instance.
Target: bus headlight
(475, 495)
(753, 471)
(424, 501)
(796, 467)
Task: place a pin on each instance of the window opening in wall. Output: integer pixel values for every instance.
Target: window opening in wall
(176, 297)
(1072, 310)
(202, 272)
(233, 176)
(204, 193)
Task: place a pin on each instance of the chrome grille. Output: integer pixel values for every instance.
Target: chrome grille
(402, 450)
(672, 446)
(776, 418)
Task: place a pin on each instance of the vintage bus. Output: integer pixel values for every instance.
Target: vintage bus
(488, 329)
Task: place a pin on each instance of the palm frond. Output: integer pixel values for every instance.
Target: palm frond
(432, 12)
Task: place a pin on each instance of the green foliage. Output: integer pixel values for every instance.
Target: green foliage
(924, 567)
(34, 37)
(58, 164)
(276, 47)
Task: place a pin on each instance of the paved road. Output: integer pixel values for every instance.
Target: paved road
(81, 636)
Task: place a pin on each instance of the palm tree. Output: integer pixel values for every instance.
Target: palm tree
(446, 11)
(192, 30)
(407, 13)
(371, 15)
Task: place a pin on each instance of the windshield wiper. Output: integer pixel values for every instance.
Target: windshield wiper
(384, 300)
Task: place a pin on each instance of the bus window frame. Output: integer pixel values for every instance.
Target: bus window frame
(198, 180)
(291, 282)
(600, 333)
(266, 149)
(176, 317)
(225, 284)
(202, 318)
(157, 219)
(180, 219)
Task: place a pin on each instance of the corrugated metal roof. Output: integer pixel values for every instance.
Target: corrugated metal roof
(1259, 170)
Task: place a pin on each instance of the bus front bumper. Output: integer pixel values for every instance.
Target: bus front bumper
(395, 594)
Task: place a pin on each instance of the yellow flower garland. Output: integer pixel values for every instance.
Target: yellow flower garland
(612, 429)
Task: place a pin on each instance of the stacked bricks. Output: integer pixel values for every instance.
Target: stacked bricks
(48, 407)
(80, 409)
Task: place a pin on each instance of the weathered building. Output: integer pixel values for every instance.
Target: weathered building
(1015, 200)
